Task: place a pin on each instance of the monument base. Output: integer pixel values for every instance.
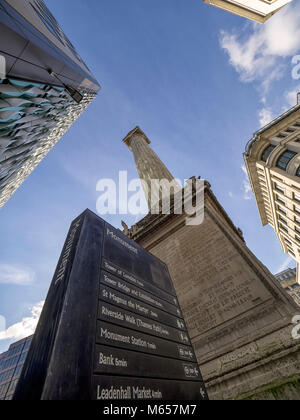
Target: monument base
(266, 369)
(238, 316)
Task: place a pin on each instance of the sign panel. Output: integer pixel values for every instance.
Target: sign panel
(128, 363)
(122, 388)
(136, 292)
(129, 319)
(134, 260)
(119, 333)
(114, 335)
(112, 268)
(119, 299)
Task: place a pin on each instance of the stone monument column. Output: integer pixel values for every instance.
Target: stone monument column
(148, 164)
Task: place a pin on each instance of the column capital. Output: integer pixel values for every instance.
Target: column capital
(133, 133)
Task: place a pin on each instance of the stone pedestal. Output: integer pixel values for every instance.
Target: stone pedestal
(238, 316)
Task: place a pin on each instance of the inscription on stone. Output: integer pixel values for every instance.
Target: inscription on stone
(223, 290)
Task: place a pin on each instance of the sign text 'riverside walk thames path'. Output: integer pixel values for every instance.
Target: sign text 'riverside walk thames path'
(111, 328)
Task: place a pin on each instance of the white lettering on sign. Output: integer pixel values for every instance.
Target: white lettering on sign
(114, 393)
(128, 393)
(112, 361)
(121, 241)
(117, 315)
(138, 342)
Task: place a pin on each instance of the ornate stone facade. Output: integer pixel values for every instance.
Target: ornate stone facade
(288, 281)
(272, 159)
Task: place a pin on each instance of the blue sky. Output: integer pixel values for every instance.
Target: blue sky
(197, 80)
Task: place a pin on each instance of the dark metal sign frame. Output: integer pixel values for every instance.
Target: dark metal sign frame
(111, 327)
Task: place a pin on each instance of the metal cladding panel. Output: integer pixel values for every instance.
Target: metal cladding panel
(33, 119)
(26, 37)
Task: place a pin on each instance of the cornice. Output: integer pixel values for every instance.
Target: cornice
(135, 132)
(152, 222)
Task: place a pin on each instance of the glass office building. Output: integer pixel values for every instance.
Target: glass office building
(11, 364)
(44, 87)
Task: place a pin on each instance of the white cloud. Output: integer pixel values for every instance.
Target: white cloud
(10, 274)
(258, 56)
(285, 265)
(291, 97)
(265, 116)
(246, 185)
(246, 56)
(261, 56)
(25, 327)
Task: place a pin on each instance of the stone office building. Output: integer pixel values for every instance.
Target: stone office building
(288, 281)
(257, 10)
(11, 364)
(44, 87)
(272, 159)
(238, 316)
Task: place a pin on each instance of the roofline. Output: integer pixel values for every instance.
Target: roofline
(285, 271)
(136, 131)
(258, 133)
(145, 227)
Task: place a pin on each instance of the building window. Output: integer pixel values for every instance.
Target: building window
(297, 220)
(297, 197)
(282, 210)
(297, 229)
(298, 170)
(48, 19)
(27, 345)
(267, 152)
(283, 227)
(290, 130)
(282, 219)
(285, 159)
(279, 199)
(278, 188)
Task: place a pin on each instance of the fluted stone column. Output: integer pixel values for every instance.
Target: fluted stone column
(148, 164)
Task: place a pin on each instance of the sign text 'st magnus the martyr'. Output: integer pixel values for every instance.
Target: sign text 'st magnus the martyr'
(111, 327)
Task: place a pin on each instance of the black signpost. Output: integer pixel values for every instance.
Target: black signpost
(111, 328)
